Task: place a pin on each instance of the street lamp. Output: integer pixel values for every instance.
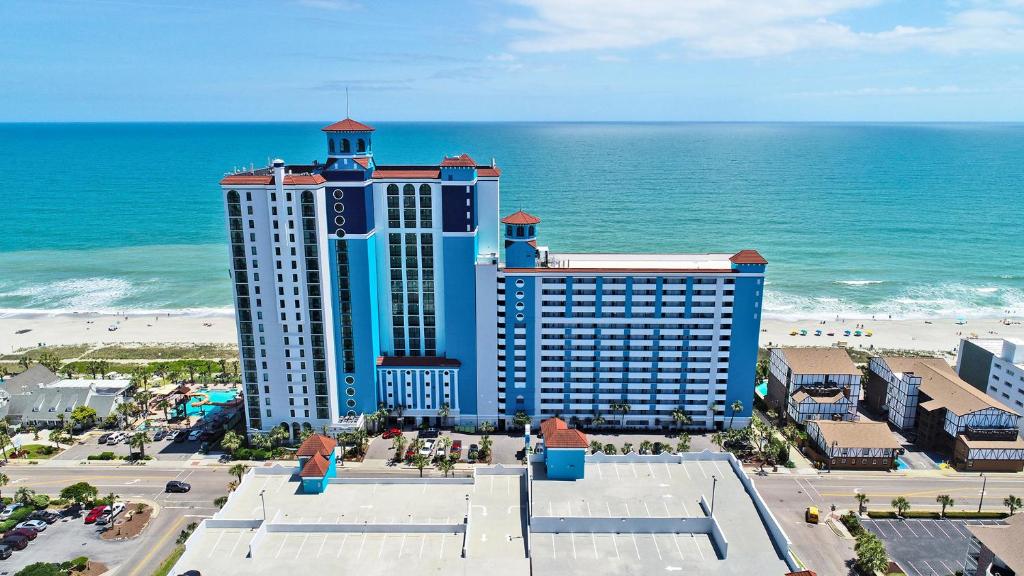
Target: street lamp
(264, 505)
(831, 454)
(981, 499)
(714, 484)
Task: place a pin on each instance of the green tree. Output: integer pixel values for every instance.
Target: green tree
(610, 449)
(259, 440)
(598, 420)
(279, 435)
(871, 554)
(718, 439)
(521, 419)
(862, 499)
(80, 493)
(736, 407)
(596, 447)
(398, 443)
(681, 418)
(59, 435)
(944, 500)
(761, 372)
(684, 443)
(627, 447)
(4, 481)
(164, 404)
(139, 440)
(25, 362)
(1013, 503)
(231, 441)
(50, 360)
(24, 495)
(420, 461)
(646, 446)
(621, 408)
(761, 436)
(220, 501)
(83, 416)
(900, 505)
(125, 410)
(445, 465)
(238, 470)
(444, 412)
(484, 452)
(41, 569)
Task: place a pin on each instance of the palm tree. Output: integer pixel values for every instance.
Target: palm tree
(484, 452)
(627, 447)
(718, 439)
(596, 447)
(24, 495)
(736, 406)
(139, 440)
(238, 470)
(598, 420)
(125, 410)
(944, 500)
(443, 413)
(684, 443)
(220, 501)
(231, 441)
(681, 418)
(164, 404)
(445, 465)
(5, 439)
(646, 446)
(622, 408)
(901, 505)
(398, 443)
(420, 461)
(4, 481)
(862, 499)
(1013, 503)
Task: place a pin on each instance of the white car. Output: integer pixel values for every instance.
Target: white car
(8, 511)
(108, 516)
(37, 525)
(115, 438)
(428, 446)
(194, 435)
(440, 450)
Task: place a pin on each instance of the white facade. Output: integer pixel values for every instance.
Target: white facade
(1005, 373)
(901, 394)
(815, 396)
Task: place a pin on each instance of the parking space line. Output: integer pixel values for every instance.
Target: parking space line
(656, 547)
(380, 553)
(283, 541)
(632, 467)
(615, 543)
(957, 528)
(593, 540)
(929, 566)
(217, 543)
(361, 544)
(668, 470)
(617, 475)
(635, 546)
(440, 554)
(909, 527)
(685, 469)
(299, 551)
(697, 544)
(402, 547)
(914, 568)
(554, 549)
(675, 540)
(924, 525)
(946, 566)
(646, 507)
(704, 474)
(939, 526)
(341, 548)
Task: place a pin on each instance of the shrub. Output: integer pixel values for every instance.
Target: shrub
(102, 456)
(40, 500)
(852, 523)
(978, 515)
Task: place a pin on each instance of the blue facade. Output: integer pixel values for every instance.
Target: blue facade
(746, 327)
(314, 485)
(460, 313)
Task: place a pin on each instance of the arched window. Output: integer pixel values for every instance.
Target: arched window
(361, 146)
(307, 196)
(296, 431)
(330, 145)
(345, 146)
(531, 231)
(408, 189)
(392, 188)
(519, 231)
(232, 196)
(424, 189)
(508, 230)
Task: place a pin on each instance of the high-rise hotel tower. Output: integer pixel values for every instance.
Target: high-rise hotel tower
(360, 286)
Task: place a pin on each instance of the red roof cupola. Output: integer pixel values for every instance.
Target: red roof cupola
(520, 218)
(348, 125)
(461, 161)
(557, 434)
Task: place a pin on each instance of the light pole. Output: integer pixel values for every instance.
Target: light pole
(714, 484)
(264, 505)
(981, 499)
(831, 454)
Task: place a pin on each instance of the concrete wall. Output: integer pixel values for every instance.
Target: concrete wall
(233, 523)
(329, 527)
(397, 480)
(591, 525)
(564, 463)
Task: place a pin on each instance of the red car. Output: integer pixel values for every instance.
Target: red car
(95, 513)
(456, 448)
(26, 532)
(391, 433)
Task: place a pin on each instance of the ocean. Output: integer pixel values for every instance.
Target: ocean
(907, 220)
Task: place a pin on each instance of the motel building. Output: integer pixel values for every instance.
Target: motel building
(813, 384)
(864, 445)
(361, 286)
(930, 403)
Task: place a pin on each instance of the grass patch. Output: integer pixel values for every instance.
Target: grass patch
(165, 567)
(924, 514)
(62, 352)
(35, 452)
(165, 352)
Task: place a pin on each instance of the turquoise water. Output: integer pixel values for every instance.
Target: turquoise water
(762, 389)
(215, 396)
(855, 219)
(901, 465)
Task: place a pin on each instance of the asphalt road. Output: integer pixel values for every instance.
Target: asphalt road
(143, 554)
(788, 495)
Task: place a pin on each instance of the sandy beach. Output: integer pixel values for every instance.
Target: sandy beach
(937, 335)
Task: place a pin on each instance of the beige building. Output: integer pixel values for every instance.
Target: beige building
(813, 384)
(853, 445)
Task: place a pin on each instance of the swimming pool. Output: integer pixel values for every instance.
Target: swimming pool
(762, 389)
(214, 396)
(901, 464)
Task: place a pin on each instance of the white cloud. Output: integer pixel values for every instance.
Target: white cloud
(750, 28)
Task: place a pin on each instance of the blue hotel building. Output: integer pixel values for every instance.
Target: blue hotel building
(361, 285)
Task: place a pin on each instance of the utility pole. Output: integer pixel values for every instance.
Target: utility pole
(264, 505)
(714, 484)
(981, 499)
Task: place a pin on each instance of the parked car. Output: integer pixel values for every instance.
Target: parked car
(115, 438)
(177, 486)
(409, 453)
(190, 573)
(159, 434)
(108, 516)
(428, 446)
(103, 438)
(457, 448)
(47, 516)
(6, 514)
(440, 450)
(474, 452)
(194, 435)
(95, 513)
(171, 435)
(26, 532)
(391, 433)
(5, 551)
(15, 541)
(37, 525)
(181, 436)
(429, 433)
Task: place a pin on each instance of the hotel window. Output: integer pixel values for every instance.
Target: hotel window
(345, 146)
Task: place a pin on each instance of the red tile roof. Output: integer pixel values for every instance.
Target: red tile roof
(268, 179)
(364, 162)
(348, 125)
(463, 161)
(317, 444)
(557, 434)
(488, 172)
(748, 257)
(419, 361)
(520, 217)
(315, 467)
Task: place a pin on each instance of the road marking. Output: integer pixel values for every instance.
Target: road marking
(946, 566)
(646, 507)
(383, 540)
(593, 540)
(423, 542)
(675, 540)
(170, 531)
(909, 527)
(299, 551)
(215, 544)
(572, 538)
(361, 544)
(440, 554)
(668, 470)
(939, 526)
(656, 547)
(554, 549)
(615, 543)
(697, 544)
(687, 470)
(280, 548)
(924, 525)
(321, 549)
(802, 489)
(635, 546)
(704, 474)
(341, 548)
(929, 566)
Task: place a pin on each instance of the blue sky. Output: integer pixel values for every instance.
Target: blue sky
(96, 60)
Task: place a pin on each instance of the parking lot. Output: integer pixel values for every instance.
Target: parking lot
(926, 547)
(66, 539)
(160, 449)
(503, 449)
